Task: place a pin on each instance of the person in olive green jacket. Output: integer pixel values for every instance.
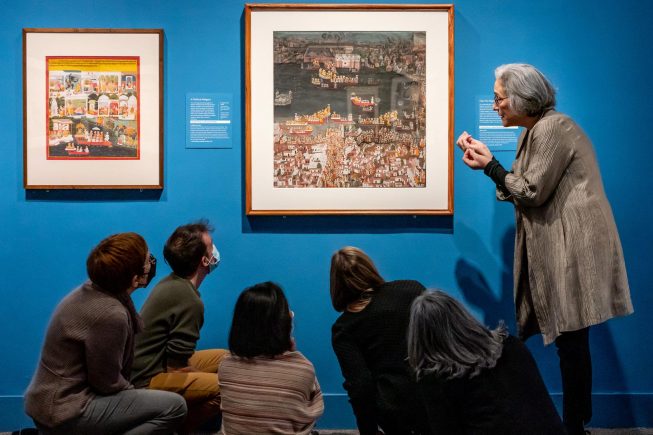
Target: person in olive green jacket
(173, 314)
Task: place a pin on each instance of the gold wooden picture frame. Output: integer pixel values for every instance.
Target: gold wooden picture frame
(349, 109)
(93, 108)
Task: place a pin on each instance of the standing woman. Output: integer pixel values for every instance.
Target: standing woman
(81, 384)
(267, 386)
(569, 270)
(369, 339)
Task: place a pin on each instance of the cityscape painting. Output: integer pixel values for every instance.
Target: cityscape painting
(349, 109)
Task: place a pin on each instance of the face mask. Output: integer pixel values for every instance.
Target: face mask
(151, 274)
(215, 259)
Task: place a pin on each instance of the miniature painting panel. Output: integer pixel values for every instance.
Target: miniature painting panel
(349, 109)
(92, 108)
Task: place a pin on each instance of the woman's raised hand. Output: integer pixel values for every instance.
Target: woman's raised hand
(477, 155)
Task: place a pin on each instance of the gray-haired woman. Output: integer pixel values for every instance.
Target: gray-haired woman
(569, 270)
(474, 380)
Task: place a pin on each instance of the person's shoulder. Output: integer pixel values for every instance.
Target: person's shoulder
(554, 120)
(402, 283)
(106, 312)
(173, 288)
(295, 355)
(172, 283)
(297, 360)
(89, 297)
(408, 283)
(114, 317)
(342, 321)
(407, 286)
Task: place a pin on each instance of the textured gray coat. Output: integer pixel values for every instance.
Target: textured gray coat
(569, 270)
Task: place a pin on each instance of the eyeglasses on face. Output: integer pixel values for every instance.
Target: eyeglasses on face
(498, 99)
(151, 261)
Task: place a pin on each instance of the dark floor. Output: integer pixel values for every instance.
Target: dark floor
(595, 431)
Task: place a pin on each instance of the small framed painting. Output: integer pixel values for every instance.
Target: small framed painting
(93, 108)
(349, 109)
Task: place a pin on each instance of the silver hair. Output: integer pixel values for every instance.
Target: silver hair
(528, 90)
(445, 340)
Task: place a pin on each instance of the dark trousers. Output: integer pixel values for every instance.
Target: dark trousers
(576, 370)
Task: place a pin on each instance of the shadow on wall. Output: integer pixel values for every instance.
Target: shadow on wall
(612, 406)
(86, 195)
(348, 224)
(611, 402)
(477, 292)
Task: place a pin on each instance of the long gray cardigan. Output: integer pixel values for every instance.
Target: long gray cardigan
(569, 270)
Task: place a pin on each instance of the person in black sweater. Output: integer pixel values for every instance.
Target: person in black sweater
(474, 380)
(369, 339)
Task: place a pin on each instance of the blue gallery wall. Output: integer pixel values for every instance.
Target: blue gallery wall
(597, 54)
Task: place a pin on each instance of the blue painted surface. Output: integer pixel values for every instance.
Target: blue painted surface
(595, 52)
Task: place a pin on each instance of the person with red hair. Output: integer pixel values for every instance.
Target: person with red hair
(81, 384)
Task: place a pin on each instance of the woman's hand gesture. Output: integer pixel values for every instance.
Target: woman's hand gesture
(477, 155)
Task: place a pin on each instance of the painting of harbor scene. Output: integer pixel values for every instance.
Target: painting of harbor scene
(349, 109)
(92, 108)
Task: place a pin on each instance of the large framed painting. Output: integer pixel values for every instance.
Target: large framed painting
(93, 108)
(349, 109)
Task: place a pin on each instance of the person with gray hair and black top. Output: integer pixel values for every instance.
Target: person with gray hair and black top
(569, 271)
(474, 380)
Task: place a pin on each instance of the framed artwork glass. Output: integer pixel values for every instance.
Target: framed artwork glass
(93, 108)
(349, 109)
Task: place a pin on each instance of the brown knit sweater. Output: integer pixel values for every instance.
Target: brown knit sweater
(88, 351)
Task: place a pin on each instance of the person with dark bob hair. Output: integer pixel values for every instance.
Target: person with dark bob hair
(474, 380)
(267, 386)
(569, 270)
(369, 339)
(81, 384)
(173, 315)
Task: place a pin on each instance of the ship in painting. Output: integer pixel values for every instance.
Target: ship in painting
(365, 104)
(73, 150)
(297, 126)
(282, 98)
(338, 119)
(318, 117)
(301, 131)
(330, 79)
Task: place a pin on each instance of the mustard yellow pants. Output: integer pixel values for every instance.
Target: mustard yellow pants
(200, 388)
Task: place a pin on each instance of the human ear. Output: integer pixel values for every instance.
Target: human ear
(205, 261)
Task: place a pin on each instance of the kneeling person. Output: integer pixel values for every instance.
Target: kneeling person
(81, 384)
(173, 314)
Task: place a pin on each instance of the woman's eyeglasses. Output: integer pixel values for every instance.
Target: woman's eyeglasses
(498, 99)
